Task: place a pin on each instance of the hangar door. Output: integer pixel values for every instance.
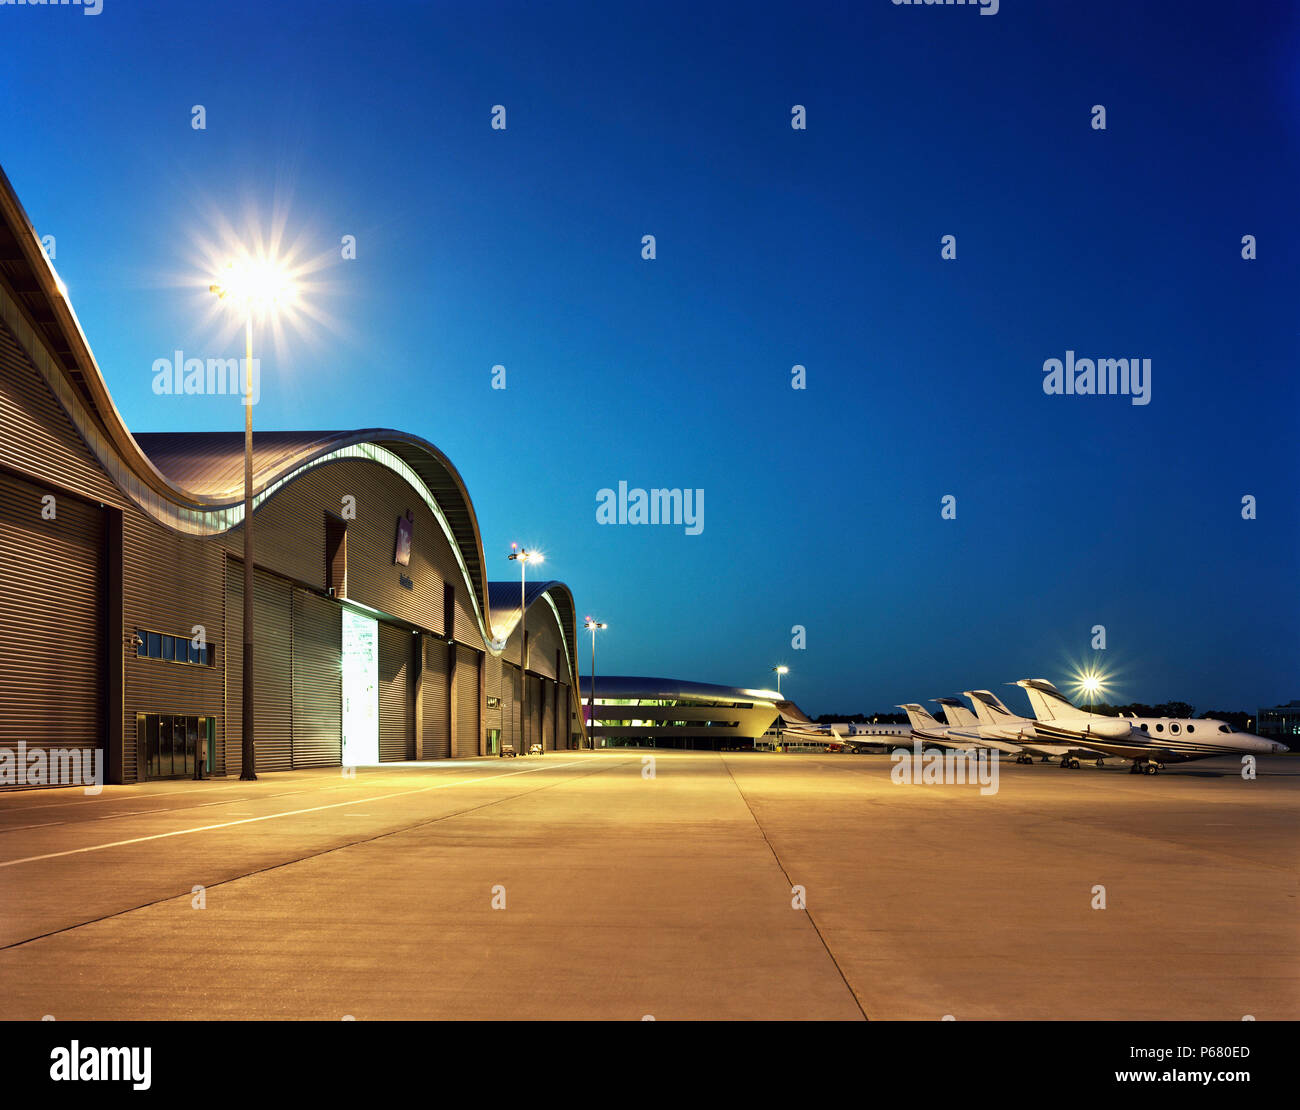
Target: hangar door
(436, 692)
(272, 652)
(317, 682)
(548, 716)
(51, 624)
(466, 702)
(396, 704)
(534, 712)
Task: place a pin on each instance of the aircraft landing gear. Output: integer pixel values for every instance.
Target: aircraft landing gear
(1101, 763)
(1047, 759)
(1147, 768)
(1070, 762)
(1023, 758)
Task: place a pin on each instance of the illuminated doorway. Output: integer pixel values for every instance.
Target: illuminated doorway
(360, 689)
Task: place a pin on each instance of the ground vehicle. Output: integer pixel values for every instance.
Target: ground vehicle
(536, 749)
(508, 751)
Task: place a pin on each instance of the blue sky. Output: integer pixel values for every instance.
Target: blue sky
(775, 247)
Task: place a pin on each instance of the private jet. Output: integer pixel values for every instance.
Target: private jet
(1150, 742)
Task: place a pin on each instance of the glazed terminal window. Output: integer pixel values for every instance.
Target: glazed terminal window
(173, 649)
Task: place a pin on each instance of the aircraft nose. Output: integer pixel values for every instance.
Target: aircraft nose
(1280, 748)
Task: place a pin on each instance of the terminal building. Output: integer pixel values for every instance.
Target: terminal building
(671, 713)
(1281, 723)
(378, 636)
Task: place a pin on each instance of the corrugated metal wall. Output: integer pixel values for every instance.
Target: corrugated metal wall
(562, 711)
(548, 717)
(510, 704)
(437, 699)
(317, 682)
(467, 724)
(172, 584)
(52, 621)
(273, 667)
(396, 703)
(534, 712)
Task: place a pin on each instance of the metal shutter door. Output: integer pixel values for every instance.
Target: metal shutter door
(562, 711)
(51, 628)
(273, 665)
(466, 702)
(548, 716)
(534, 712)
(510, 705)
(396, 711)
(317, 682)
(437, 700)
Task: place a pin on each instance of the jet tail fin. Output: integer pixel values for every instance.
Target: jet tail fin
(988, 706)
(1048, 702)
(956, 713)
(918, 717)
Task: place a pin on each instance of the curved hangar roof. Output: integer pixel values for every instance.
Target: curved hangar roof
(209, 468)
(623, 686)
(193, 481)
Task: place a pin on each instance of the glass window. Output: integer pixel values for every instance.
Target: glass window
(1174, 727)
(169, 648)
(191, 743)
(1160, 728)
(155, 645)
(196, 653)
(164, 747)
(1191, 728)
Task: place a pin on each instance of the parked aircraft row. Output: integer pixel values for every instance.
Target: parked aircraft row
(1060, 730)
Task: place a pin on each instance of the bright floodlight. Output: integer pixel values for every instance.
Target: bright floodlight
(257, 283)
(781, 670)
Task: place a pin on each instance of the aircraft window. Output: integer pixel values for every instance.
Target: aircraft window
(1191, 728)
(1224, 728)
(1160, 728)
(1144, 727)
(1173, 727)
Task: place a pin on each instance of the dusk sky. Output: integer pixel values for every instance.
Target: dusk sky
(774, 247)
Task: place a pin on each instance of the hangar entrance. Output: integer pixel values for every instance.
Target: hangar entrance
(360, 689)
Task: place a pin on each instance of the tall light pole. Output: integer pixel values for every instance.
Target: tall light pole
(779, 672)
(250, 285)
(593, 627)
(523, 556)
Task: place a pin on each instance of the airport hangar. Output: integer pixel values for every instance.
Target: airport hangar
(114, 548)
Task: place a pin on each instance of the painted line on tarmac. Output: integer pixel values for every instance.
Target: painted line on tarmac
(322, 852)
(151, 812)
(272, 816)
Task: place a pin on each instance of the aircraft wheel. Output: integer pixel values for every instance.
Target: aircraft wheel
(1152, 769)
(1101, 763)
(1074, 765)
